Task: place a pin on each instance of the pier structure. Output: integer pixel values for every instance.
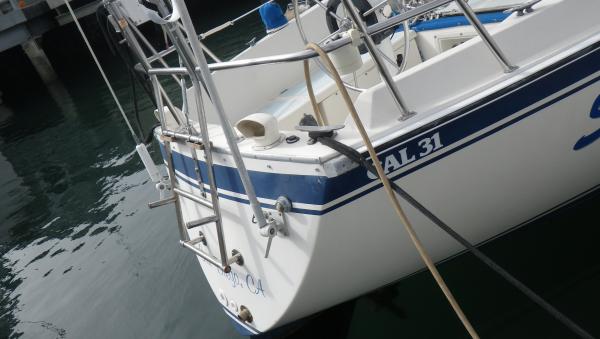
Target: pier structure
(23, 22)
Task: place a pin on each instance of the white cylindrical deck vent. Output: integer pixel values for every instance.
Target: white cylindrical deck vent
(261, 128)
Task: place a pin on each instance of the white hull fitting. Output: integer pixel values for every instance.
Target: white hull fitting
(487, 151)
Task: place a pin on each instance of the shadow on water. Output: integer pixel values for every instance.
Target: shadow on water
(557, 256)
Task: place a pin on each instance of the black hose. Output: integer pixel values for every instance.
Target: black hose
(125, 56)
(101, 18)
(355, 156)
(150, 135)
(136, 110)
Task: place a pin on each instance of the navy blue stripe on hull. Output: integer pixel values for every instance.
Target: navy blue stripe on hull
(240, 326)
(320, 190)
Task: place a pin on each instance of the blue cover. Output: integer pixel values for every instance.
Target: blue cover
(455, 21)
(272, 16)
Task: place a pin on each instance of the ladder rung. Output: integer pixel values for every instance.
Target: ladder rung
(161, 202)
(210, 259)
(193, 197)
(194, 242)
(201, 221)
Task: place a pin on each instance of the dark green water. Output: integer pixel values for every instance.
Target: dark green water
(83, 257)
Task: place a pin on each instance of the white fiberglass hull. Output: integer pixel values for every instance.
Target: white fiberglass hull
(485, 163)
(485, 183)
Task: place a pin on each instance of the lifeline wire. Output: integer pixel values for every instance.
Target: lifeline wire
(112, 92)
(392, 195)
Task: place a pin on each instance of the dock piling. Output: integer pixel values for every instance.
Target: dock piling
(40, 61)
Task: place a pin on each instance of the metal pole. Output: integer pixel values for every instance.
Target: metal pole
(228, 23)
(148, 45)
(300, 28)
(485, 36)
(204, 48)
(159, 103)
(183, 234)
(374, 8)
(227, 129)
(385, 74)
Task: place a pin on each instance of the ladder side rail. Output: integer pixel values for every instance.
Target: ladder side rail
(180, 223)
(176, 36)
(159, 96)
(177, 39)
(197, 169)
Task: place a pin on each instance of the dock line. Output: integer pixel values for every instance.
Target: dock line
(356, 157)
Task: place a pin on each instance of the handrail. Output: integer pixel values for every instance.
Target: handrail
(413, 13)
(374, 8)
(371, 30)
(387, 78)
(300, 28)
(205, 35)
(171, 49)
(301, 55)
(229, 23)
(485, 36)
(307, 54)
(281, 58)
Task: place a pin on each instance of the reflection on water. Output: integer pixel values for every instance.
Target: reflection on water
(81, 255)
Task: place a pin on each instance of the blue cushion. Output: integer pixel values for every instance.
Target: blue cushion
(272, 16)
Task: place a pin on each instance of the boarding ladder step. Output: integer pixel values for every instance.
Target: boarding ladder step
(210, 201)
(195, 241)
(201, 222)
(191, 196)
(196, 139)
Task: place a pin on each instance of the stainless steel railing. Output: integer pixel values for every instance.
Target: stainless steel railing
(405, 112)
(191, 55)
(373, 29)
(206, 34)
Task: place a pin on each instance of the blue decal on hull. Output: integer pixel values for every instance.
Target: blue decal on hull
(588, 139)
